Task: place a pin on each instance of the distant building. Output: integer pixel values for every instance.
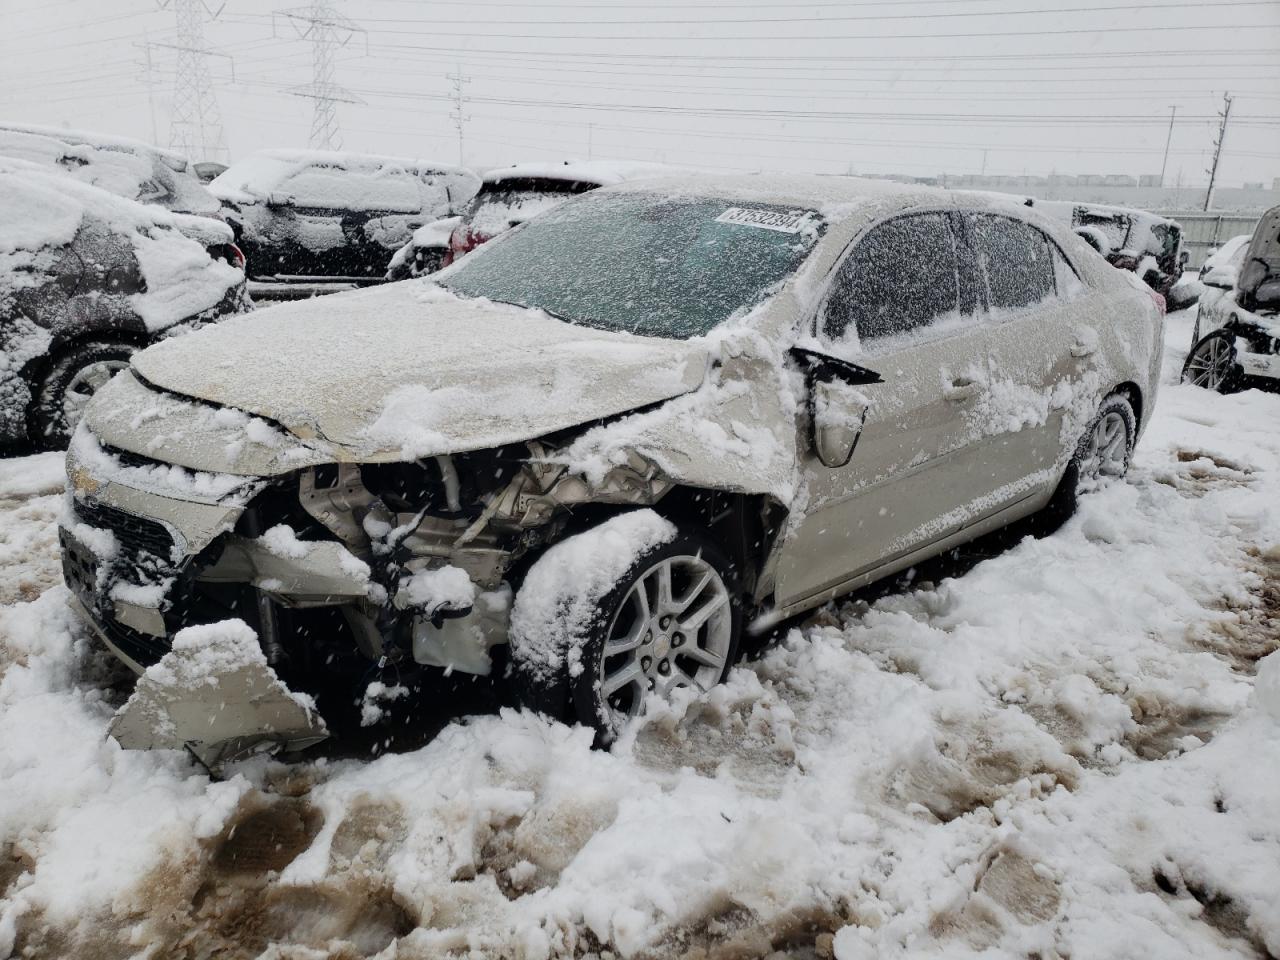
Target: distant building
(1149, 180)
(1061, 180)
(1119, 180)
(1255, 186)
(1090, 180)
(1275, 184)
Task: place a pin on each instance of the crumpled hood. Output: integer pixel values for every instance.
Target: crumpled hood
(408, 370)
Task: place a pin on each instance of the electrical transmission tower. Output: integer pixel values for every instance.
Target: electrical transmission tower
(328, 31)
(457, 114)
(1217, 148)
(195, 127)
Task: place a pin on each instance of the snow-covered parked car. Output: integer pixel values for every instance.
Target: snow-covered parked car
(127, 168)
(1145, 243)
(508, 197)
(1236, 340)
(595, 450)
(322, 222)
(87, 278)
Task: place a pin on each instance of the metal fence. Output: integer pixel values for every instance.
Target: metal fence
(1202, 232)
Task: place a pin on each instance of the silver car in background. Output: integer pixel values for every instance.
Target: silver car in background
(590, 454)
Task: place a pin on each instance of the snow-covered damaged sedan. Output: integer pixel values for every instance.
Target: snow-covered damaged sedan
(86, 278)
(588, 456)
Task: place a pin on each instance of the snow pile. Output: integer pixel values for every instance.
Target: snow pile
(556, 605)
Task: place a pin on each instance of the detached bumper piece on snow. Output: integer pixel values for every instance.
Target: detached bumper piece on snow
(215, 695)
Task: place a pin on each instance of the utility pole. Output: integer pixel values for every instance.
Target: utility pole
(590, 130)
(1217, 148)
(984, 164)
(457, 114)
(195, 127)
(328, 31)
(1173, 112)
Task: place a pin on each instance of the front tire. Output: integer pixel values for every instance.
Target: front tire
(67, 386)
(671, 620)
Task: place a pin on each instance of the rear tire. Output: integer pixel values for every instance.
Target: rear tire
(1105, 451)
(73, 377)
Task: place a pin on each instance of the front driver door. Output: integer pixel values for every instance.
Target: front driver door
(898, 305)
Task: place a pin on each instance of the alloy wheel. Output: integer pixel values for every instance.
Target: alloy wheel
(673, 629)
(1210, 363)
(1106, 453)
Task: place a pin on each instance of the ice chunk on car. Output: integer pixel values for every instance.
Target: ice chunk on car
(215, 695)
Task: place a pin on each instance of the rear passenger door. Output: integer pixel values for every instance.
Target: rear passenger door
(1043, 352)
(900, 304)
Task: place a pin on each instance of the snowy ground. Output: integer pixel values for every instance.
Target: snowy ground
(1057, 754)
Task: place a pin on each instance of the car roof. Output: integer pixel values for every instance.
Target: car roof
(600, 172)
(172, 159)
(834, 196)
(256, 175)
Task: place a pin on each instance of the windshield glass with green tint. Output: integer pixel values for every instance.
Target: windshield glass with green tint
(657, 266)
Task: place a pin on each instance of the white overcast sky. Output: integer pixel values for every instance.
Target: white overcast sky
(910, 86)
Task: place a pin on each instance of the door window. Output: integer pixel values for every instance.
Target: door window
(1016, 259)
(901, 278)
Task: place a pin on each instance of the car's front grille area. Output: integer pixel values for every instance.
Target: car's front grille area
(135, 535)
(142, 648)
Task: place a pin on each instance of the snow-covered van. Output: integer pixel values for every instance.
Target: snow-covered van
(587, 455)
(314, 221)
(86, 279)
(508, 197)
(127, 168)
(1236, 341)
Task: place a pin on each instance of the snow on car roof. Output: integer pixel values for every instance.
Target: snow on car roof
(254, 177)
(175, 161)
(836, 197)
(602, 172)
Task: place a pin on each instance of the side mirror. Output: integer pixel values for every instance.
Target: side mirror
(837, 408)
(838, 412)
(280, 200)
(1224, 278)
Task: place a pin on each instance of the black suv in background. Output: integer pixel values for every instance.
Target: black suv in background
(318, 222)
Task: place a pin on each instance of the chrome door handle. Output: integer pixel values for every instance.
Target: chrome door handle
(961, 390)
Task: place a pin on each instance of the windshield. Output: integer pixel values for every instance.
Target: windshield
(652, 265)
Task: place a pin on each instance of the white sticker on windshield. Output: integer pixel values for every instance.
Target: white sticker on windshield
(764, 219)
